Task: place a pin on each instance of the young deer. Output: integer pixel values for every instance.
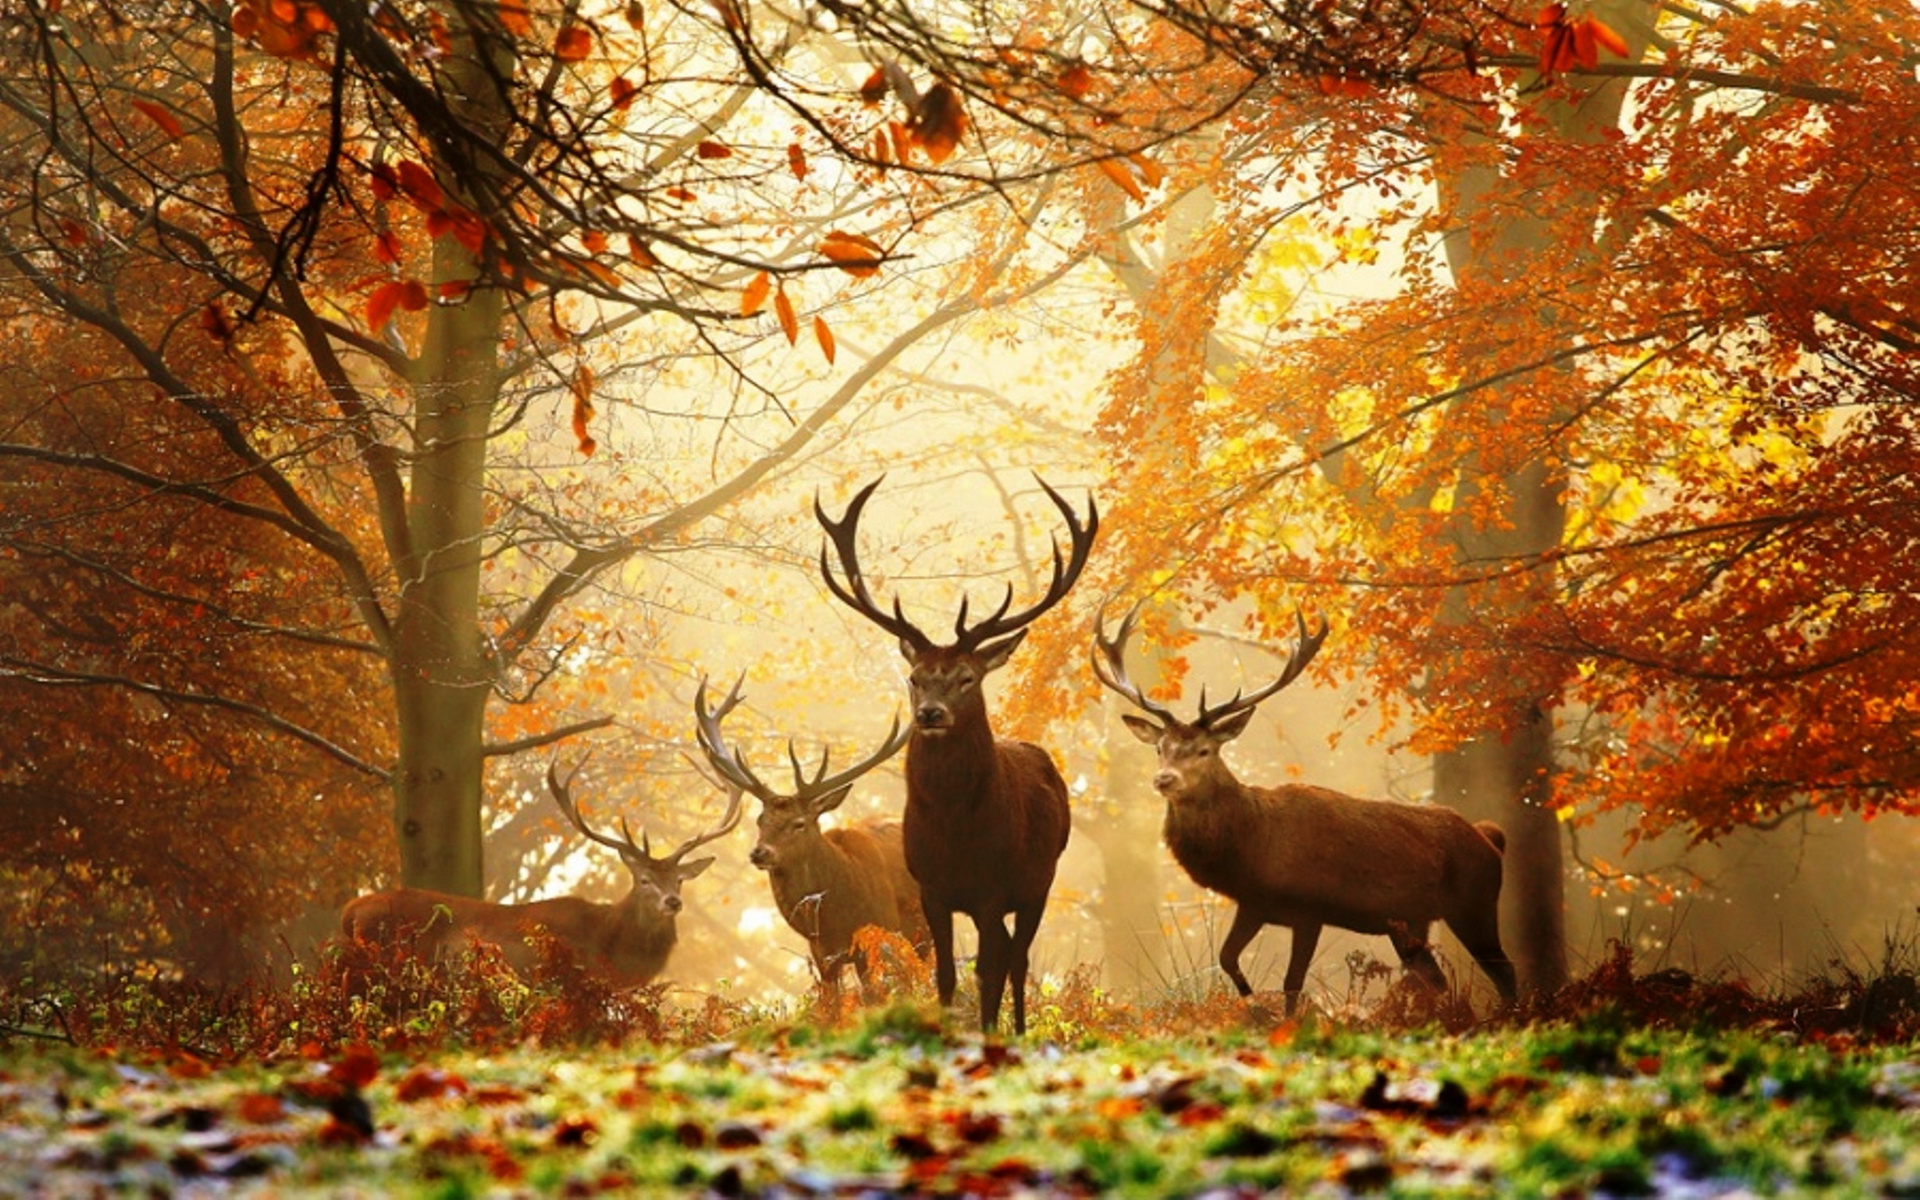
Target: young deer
(986, 818)
(1305, 857)
(829, 884)
(627, 941)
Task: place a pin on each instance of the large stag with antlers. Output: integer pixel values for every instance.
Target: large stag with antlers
(986, 818)
(627, 941)
(829, 884)
(1306, 857)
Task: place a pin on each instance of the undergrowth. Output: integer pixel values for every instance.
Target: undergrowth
(477, 1002)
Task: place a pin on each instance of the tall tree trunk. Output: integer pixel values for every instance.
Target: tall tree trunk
(1506, 776)
(442, 674)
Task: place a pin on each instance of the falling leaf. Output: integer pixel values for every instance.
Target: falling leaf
(939, 122)
(824, 336)
(162, 116)
(853, 253)
(755, 296)
(783, 309)
(515, 19)
(1122, 178)
(573, 44)
(581, 386)
(797, 160)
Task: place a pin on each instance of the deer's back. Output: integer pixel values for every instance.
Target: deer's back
(1303, 853)
(992, 847)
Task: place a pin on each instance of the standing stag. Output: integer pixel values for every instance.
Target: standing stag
(1305, 857)
(627, 941)
(829, 884)
(986, 818)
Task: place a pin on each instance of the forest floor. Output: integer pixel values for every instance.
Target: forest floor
(1639, 1086)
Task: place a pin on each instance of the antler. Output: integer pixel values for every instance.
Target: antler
(1303, 652)
(1113, 671)
(854, 594)
(563, 796)
(732, 764)
(729, 762)
(1080, 540)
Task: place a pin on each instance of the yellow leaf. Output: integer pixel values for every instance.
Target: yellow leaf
(789, 321)
(853, 253)
(755, 297)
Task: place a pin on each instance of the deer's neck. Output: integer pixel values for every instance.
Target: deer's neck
(957, 768)
(637, 939)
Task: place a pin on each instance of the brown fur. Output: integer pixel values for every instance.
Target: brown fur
(628, 942)
(1306, 857)
(830, 885)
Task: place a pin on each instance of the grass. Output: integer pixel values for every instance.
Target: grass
(429, 1082)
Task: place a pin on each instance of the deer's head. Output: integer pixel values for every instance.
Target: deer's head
(656, 878)
(1189, 751)
(945, 681)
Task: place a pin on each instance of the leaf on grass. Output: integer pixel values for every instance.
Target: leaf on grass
(162, 116)
(783, 309)
(756, 293)
(824, 336)
(422, 1082)
(854, 253)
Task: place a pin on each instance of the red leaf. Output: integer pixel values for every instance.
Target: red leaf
(712, 150)
(573, 44)
(218, 325)
(622, 91)
(358, 1065)
(386, 246)
(874, 90)
(515, 19)
(1583, 48)
(382, 302)
(413, 295)
(1609, 40)
(162, 116)
(797, 160)
(581, 385)
(939, 122)
(1074, 81)
(420, 186)
(384, 181)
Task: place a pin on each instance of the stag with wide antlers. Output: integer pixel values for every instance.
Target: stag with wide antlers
(627, 941)
(829, 884)
(986, 818)
(1306, 857)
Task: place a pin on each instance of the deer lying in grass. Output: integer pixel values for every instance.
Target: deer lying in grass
(1306, 857)
(627, 941)
(829, 884)
(986, 818)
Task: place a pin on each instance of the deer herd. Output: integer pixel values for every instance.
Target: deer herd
(985, 822)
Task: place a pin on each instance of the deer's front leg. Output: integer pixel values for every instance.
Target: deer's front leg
(1306, 938)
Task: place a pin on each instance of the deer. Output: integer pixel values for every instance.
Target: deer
(627, 941)
(986, 818)
(1305, 857)
(828, 884)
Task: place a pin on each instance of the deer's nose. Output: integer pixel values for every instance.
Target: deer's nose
(671, 903)
(930, 716)
(761, 857)
(1164, 781)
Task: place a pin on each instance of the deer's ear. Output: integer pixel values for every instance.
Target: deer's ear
(1232, 727)
(994, 655)
(1142, 728)
(906, 650)
(833, 799)
(690, 869)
